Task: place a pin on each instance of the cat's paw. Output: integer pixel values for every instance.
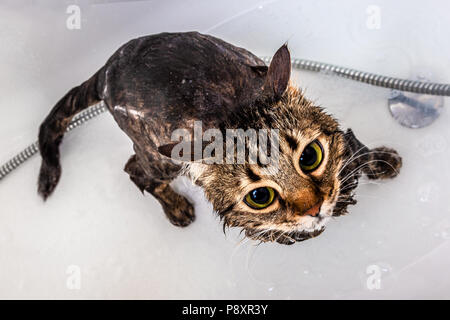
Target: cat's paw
(180, 212)
(383, 163)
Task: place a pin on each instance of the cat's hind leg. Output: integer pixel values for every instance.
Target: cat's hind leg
(176, 207)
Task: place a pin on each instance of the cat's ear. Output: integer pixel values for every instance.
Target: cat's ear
(166, 149)
(178, 151)
(278, 74)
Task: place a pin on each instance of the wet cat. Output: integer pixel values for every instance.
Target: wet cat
(157, 84)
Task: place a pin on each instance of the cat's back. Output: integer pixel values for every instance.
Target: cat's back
(175, 77)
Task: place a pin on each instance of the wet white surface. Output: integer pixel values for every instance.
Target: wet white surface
(99, 224)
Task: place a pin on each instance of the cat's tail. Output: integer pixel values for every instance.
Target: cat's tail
(54, 126)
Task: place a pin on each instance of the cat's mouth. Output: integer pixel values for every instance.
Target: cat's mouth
(314, 211)
(282, 237)
(293, 226)
(307, 227)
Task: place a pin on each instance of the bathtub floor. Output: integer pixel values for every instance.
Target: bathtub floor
(98, 237)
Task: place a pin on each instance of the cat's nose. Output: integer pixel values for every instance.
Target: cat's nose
(306, 203)
(314, 210)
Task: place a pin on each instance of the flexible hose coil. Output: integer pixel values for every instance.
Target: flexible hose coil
(435, 89)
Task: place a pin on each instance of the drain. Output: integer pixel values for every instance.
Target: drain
(415, 110)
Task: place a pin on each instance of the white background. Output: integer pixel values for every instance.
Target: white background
(120, 241)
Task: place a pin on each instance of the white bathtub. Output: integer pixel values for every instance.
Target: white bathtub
(98, 237)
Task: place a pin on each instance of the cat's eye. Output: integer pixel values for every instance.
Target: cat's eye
(260, 198)
(311, 157)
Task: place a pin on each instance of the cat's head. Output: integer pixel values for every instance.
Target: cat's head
(294, 200)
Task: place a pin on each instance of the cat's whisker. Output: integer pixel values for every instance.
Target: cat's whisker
(260, 235)
(355, 184)
(368, 196)
(351, 202)
(351, 174)
(281, 234)
(351, 158)
(370, 182)
(239, 245)
(350, 161)
(357, 156)
(348, 186)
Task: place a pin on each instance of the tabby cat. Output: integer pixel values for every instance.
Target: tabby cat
(156, 84)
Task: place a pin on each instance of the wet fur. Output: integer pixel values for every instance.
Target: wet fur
(156, 84)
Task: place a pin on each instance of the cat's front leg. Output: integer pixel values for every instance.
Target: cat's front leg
(377, 163)
(383, 163)
(176, 207)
